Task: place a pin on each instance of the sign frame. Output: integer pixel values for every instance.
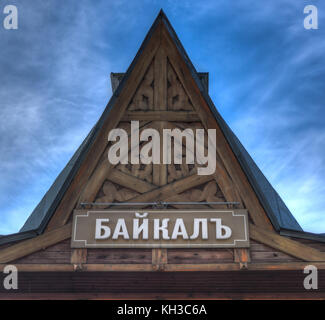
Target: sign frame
(78, 242)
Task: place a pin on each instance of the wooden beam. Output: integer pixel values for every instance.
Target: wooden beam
(171, 189)
(160, 79)
(183, 198)
(159, 259)
(98, 177)
(159, 171)
(27, 247)
(224, 150)
(118, 267)
(221, 177)
(160, 104)
(173, 116)
(130, 182)
(242, 256)
(96, 180)
(218, 267)
(291, 247)
(71, 196)
(78, 258)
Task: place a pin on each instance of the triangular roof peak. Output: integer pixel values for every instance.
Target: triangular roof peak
(244, 167)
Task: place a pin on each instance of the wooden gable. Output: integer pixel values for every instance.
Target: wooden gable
(160, 96)
(160, 92)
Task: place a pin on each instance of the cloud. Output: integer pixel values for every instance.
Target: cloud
(54, 90)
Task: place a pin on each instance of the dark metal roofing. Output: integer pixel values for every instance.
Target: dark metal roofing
(279, 214)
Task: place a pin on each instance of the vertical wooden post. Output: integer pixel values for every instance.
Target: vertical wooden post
(78, 258)
(242, 256)
(160, 103)
(159, 256)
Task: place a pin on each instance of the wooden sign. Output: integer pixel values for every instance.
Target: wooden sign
(160, 229)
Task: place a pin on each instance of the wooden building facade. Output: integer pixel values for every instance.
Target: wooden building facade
(161, 89)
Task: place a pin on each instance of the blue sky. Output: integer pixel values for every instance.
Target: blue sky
(267, 79)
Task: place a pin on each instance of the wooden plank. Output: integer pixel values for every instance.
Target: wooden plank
(100, 174)
(96, 180)
(242, 256)
(71, 196)
(160, 74)
(78, 256)
(159, 177)
(236, 267)
(173, 116)
(159, 259)
(200, 256)
(154, 257)
(118, 267)
(159, 172)
(163, 173)
(183, 198)
(129, 181)
(222, 178)
(312, 243)
(63, 246)
(167, 268)
(170, 189)
(226, 184)
(45, 256)
(230, 161)
(271, 257)
(281, 243)
(32, 245)
(119, 256)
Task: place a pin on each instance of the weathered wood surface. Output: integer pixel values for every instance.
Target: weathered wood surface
(130, 182)
(173, 116)
(119, 256)
(44, 256)
(200, 256)
(281, 243)
(32, 245)
(242, 256)
(314, 244)
(171, 189)
(261, 253)
(148, 267)
(61, 252)
(212, 284)
(159, 258)
(78, 256)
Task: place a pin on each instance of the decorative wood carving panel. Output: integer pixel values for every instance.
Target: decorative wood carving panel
(177, 99)
(208, 192)
(143, 98)
(112, 192)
